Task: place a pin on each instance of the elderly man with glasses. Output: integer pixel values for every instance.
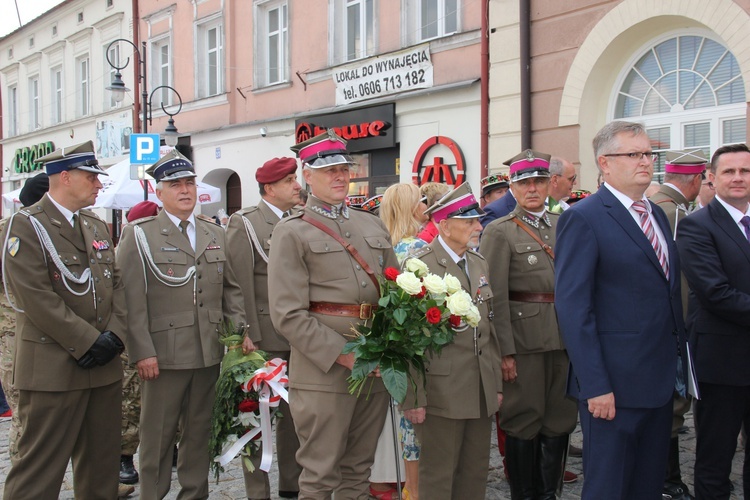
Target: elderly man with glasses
(562, 179)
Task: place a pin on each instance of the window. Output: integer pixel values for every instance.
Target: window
(109, 3)
(34, 107)
(54, 29)
(82, 93)
(360, 30)
(111, 55)
(80, 17)
(31, 42)
(688, 91)
(211, 62)
(13, 110)
(161, 70)
(437, 18)
(10, 52)
(57, 95)
(272, 41)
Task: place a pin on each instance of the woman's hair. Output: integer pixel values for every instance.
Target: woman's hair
(433, 191)
(397, 211)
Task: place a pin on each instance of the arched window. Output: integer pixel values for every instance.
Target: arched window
(689, 92)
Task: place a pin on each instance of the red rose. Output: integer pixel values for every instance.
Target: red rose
(420, 294)
(248, 406)
(433, 315)
(455, 321)
(391, 273)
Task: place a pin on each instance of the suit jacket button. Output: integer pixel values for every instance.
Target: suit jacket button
(170, 259)
(261, 309)
(171, 323)
(93, 261)
(199, 276)
(43, 339)
(520, 313)
(364, 284)
(358, 267)
(72, 349)
(480, 352)
(100, 319)
(347, 234)
(197, 262)
(201, 304)
(200, 290)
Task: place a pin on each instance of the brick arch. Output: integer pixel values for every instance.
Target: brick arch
(724, 17)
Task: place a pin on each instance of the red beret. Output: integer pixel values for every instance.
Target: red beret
(275, 170)
(142, 209)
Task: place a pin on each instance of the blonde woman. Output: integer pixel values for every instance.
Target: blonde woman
(401, 210)
(430, 192)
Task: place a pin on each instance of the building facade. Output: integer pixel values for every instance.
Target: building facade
(680, 67)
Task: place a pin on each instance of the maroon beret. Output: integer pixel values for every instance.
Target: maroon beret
(142, 209)
(275, 170)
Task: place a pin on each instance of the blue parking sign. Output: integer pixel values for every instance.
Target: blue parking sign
(144, 148)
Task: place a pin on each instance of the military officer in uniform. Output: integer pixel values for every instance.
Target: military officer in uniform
(536, 415)
(248, 247)
(452, 417)
(59, 263)
(179, 288)
(319, 291)
(684, 173)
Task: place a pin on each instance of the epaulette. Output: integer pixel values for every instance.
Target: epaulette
(293, 216)
(505, 218)
(419, 252)
(143, 219)
(475, 253)
(248, 210)
(91, 214)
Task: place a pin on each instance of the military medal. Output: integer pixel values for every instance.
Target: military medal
(213, 247)
(532, 259)
(107, 274)
(483, 280)
(55, 276)
(170, 272)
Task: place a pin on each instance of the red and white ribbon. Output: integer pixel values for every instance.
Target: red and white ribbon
(270, 382)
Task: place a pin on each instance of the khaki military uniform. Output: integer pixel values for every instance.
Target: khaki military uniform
(675, 205)
(64, 410)
(179, 326)
(338, 432)
(7, 351)
(248, 250)
(461, 393)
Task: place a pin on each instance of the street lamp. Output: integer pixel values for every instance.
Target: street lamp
(118, 89)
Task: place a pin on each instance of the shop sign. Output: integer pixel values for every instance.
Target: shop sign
(364, 129)
(387, 74)
(437, 169)
(24, 161)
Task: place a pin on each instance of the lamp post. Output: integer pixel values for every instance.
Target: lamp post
(118, 89)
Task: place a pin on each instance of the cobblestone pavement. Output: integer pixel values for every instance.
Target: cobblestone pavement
(231, 485)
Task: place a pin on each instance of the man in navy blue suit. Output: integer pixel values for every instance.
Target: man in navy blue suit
(617, 295)
(498, 208)
(713, 243)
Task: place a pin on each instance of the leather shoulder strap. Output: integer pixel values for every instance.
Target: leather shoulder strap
(545, 246)
(347, 246)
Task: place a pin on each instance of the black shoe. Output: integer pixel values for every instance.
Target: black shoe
(676, 491)
(128, 474)
(174, 457)
(574, 451)
(288, 494)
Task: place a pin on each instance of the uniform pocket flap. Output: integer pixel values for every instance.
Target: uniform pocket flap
(531, 246)
(179, 257)
(215, 316)
(522, 310)
(71, 259)
(171, 321)
(325, 247)
(377, 242)
(215, 256)
(439, 367)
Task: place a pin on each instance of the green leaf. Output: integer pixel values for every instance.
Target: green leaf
(394, 377)
(400, 316)
(384, 301)
(363, 367)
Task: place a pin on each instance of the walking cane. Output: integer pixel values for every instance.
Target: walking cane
(396, 446)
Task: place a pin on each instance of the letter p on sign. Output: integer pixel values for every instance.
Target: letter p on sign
(144, 148)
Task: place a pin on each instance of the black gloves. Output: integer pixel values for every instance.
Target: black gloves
(106, 347)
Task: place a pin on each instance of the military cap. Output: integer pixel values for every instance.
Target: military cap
(578, 195)
(372, 204)
(81, 157)
(492, 182)
(527, 164)
(685, 162)
(276, 169)
(170, 167)
(142, 209)
(459, 203)
(33, 189)
(323, 150)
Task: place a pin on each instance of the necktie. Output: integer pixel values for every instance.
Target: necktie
(650, 232)
(75, 221)
(745, 221)
(462, 265)
(286, 214)
(184, 227)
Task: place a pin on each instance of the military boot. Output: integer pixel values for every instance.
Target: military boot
(522, 464)
(128, 474)
(552, 457)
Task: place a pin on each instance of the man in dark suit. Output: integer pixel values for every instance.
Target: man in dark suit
(713, 243)
(617, 293)
(498, 208)
(248, 247)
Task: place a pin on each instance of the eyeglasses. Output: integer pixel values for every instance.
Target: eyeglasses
(709, 184)
(638, 155)
(572, 179)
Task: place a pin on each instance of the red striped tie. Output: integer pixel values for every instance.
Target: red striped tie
(650, 232)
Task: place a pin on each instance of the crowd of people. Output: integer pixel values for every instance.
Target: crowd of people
(586, 302)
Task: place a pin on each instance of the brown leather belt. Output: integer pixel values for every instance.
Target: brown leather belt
(361, 311)
(531, 297)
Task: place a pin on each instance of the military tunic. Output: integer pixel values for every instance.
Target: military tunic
(461, 394)
(65, 410)
(535, 403)
(675, 205)
(251, 267)
(7, 352)
(179, 326)
(338, 432)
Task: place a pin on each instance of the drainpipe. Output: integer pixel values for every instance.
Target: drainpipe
(484, 92)
(2, 163)
(137, 70)
(525, 43)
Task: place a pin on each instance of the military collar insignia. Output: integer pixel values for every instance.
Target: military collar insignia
(534, 221)
(331, 211)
